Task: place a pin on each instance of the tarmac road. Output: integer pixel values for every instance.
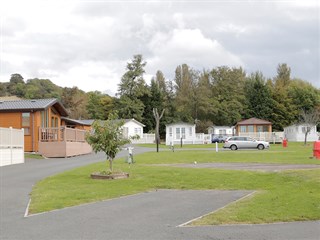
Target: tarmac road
(150, 215)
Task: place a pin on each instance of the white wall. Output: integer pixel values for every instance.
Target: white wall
(11, 146)
(296, 133)
(174, 135)
(133, 129)
(216, 130)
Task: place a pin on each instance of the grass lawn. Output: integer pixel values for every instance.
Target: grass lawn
(177, 146)
(33, 155)
(284, 196)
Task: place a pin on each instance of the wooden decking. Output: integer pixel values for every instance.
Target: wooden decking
(63, 142)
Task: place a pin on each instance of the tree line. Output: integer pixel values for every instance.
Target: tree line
(220, 96)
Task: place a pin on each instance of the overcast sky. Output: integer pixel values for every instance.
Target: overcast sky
(88, 43)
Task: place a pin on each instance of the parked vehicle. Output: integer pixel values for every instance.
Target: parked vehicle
(218, 139)
(235, 143)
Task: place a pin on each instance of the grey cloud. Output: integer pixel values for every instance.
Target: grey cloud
(259, 35)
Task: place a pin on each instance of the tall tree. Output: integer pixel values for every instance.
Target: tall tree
(283, 75)
(283, 112)
(258, 96)
(184, 89)
(131, 88)
(228, 94)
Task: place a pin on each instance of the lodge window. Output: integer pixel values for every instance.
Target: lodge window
(190, 131)
(45, 118)
(54, 122)
(170, 131)
(243, 128)
(26, 123)
(250, 128)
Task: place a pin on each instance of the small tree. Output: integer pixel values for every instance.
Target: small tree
(107, 137)
(309, 120)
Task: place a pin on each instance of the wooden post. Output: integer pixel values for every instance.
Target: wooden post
(64, 134)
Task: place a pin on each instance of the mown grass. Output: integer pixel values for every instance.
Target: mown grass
(33, 156)
(177, 146)
(296, 153)
(284, 196)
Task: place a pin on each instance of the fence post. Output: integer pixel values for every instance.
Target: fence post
(11, 144)
(23, 143)
(64, 134)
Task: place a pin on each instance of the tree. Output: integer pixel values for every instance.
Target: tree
(99, 105)
(184, 94)
(131, 88)
(16, 85)
(283, 75)
(258, 97)
(157, 118)
(303, 94)
(107, 136)
(41, 88)
(228, 94)
(309, 119)
(283, 112)
(75, 101)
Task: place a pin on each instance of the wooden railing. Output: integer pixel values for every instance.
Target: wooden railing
(273, 137)
(62, 134)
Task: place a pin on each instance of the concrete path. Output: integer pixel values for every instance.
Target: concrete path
(151, 215)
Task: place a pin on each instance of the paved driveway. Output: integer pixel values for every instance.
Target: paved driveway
(151, 215)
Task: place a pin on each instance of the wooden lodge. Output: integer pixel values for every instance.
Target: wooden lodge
(47, 130)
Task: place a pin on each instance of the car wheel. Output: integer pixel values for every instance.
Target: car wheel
(233, 147)
(260, 147)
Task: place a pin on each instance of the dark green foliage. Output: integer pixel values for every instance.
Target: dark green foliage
(228, 95)
(41, 88)
(131, 89)
(99, 105)
(258, 97)
(218, 96)
(75, 101)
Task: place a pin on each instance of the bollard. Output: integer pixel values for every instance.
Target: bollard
(316, 149)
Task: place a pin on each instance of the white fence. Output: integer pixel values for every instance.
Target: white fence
(146, 138)
(200, 138)
(11, 146)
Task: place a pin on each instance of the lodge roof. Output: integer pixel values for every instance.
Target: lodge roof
(253, 121)
(31, 105)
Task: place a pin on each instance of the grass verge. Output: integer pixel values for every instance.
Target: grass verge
(33, 156)
(284, 196)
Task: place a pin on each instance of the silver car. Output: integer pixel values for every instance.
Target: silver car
(235, 143)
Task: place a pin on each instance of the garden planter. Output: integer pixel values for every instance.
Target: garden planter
(109, 176)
